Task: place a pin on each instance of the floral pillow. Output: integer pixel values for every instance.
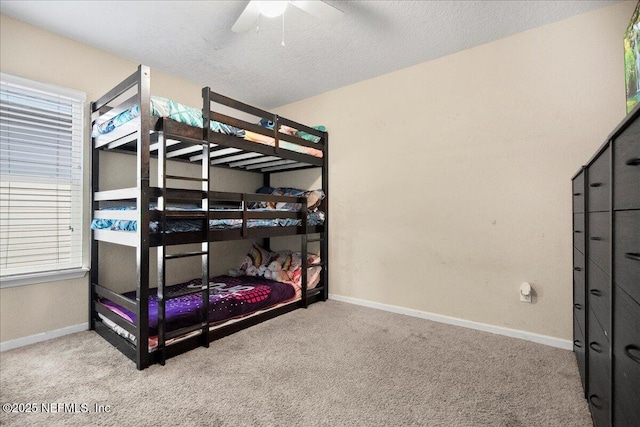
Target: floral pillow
(256, 261)
(286, 266)
(283, 266)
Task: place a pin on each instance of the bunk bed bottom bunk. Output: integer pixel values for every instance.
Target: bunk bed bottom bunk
(267, 284)
(231, 299)
(193, 340)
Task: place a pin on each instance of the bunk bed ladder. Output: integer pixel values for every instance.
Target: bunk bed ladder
(164, 256)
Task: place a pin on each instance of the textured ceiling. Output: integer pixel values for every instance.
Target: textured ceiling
(193, 39)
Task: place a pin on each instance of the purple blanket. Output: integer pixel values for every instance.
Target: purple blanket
(229, 297)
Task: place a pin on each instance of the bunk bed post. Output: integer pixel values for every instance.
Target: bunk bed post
(324, 243)
(206, 188)
(276, 137)
(142, 203)
(206, 113)
(95, 187)
(304, 272)
(266, 182)
(205, 245)
(161, 250)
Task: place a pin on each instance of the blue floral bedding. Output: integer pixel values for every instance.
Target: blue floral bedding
(181, 226)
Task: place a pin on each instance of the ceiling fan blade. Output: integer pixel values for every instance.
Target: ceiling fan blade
(320, 9)
(247, 18)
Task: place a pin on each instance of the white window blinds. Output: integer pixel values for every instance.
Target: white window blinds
(40, 177)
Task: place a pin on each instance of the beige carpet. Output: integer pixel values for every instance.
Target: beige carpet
(334, 364)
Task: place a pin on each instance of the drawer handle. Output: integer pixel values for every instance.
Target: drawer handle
(633, 162)
(577, 268)
(577, 231)
(595, 401)
(595, 347)
(577, 194)
(595, 292)
(577, 343)
(595, 184)
(632, 255)
(633, 352)
(595, 238)
(578, 306)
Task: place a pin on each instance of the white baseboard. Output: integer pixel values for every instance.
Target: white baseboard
(514, 333)
(32, 339)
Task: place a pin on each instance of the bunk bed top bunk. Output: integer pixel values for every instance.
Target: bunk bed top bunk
(269, 143)
(237, 136)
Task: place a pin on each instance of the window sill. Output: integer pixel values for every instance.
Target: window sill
(47, 276)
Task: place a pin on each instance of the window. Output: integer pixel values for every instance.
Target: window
(41, 129)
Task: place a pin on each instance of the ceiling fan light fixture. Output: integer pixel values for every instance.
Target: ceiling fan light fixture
(271, 9)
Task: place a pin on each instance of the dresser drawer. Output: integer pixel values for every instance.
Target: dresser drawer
(627, 168)
(599, 402)
(627, 252)
(580, 317)
(578, 231)
(599, 242)
(578, 277)
(599, 393)
(599, 182)
(578, 193)
(626, 375)
(578, 333)
(599, 295)
(579, 348)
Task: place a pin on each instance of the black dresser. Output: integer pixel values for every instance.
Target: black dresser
(606, 276)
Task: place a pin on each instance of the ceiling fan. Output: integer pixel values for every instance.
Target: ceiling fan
(272, 9)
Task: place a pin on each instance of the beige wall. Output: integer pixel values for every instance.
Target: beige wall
(478, 147)
(450, 180)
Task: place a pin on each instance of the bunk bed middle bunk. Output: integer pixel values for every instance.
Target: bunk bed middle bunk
(128, 119)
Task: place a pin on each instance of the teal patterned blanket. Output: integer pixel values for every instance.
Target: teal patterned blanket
(163, 107)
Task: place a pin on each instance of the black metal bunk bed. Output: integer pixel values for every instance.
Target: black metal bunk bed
(146, 136)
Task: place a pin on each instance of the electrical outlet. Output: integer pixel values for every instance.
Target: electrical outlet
(525, 298)
(525, 292)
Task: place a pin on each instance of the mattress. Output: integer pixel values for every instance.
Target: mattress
(166, 108)
(230, 299)
(153, 340)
